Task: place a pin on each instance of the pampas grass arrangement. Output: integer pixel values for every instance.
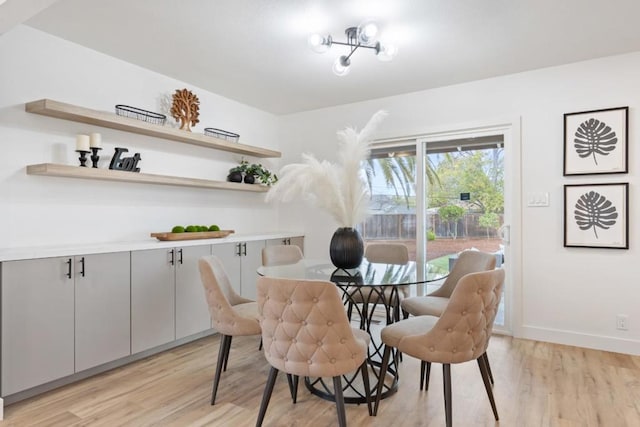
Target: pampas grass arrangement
(338, 188)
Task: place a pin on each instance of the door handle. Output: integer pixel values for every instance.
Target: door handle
(82, 266)
(180, 259)
(238, 249)
(69, 268)
(244, 249)
(172, 260)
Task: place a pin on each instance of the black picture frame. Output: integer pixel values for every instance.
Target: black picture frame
(596, 142)
(596, 215)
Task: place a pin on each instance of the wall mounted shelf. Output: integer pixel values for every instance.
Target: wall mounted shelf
(61, 110)
(66, 171)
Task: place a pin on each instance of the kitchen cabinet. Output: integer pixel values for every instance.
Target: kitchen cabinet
(167, 297)
(37, 322)
(62, 315)
(102, 309)
(192, 310)
(241, 260)
(297, 240)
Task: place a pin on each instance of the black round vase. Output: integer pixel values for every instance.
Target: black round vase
(234, 177)
(249, 179)
(346, 248)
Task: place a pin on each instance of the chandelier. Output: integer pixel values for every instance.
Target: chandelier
(362, 36)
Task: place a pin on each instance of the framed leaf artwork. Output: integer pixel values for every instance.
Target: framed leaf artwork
(595, 142)
(596, 215)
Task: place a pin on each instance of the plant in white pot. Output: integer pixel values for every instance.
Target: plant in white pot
(338, 188)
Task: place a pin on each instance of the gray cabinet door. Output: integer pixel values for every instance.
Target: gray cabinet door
(251, 260)
(230, 256)
(152, 298)
(192, 311)
(102, 307)
(37, 322)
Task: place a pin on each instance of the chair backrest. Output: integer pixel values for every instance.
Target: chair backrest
(305, 330)
(281, 254)
(463, 330)
(221, 298)
(391, 253)
(467, 262)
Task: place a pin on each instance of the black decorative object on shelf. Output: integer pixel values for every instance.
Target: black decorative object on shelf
(234, 177)
(222, 134)
(140, 114)
(249, 179)
(346, 249)
(82, 158)
(94, 156)
(124, 163)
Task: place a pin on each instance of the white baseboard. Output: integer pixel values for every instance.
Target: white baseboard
(597, 342)
(1, 409)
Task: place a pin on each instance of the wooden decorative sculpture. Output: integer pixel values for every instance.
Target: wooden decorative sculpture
(185, 108)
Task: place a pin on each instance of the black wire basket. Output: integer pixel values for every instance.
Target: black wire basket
(222, 134)
(140, 114)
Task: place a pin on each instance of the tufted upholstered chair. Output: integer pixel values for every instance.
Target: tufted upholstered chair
(434, 303)
(232, 315)
(281, 255)
(305, 332)
(459, 335)
(390, 253)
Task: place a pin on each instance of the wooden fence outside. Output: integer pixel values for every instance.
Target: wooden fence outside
(403, 226)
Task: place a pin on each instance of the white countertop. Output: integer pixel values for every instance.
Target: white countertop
(32, 252)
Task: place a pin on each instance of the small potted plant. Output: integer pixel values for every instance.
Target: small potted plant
(236, 173)
(263, 175)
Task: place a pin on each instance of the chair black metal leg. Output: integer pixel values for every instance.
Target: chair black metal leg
(226, 357)
(487, 384)
(405, 314)
(486, 361)
(260, 346)
(222, 355)
(293, 386)
(367, 386)
(349, 310)
(268, 389)
(383, 369)
(425, 373)
(337, 387)
(446, 377)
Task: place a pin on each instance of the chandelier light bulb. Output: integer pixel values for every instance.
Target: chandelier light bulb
(386, 52)
(366, 32)
(341, 66)
(318, 43)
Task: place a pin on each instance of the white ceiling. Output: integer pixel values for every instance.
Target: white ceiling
(254, 51)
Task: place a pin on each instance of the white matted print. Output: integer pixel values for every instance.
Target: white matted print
(596, 215)
(595, 142)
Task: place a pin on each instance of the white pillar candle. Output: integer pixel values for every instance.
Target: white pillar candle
(95, 140)
(82, 142)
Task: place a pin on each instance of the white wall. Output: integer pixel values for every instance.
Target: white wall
(53, 211)
(569, 295)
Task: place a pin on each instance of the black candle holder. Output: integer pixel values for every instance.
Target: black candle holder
(94, 156)
(83, 157)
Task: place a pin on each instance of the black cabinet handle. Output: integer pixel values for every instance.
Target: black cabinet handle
(239, 252)
(244, 249)
(288, 241)
(172, 261)
(82, 266)
(180, 252)
(69, 268)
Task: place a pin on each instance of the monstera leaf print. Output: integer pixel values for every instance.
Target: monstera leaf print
(594, 210)
(594, 137)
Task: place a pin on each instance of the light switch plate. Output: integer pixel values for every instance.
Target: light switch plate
(538, 199)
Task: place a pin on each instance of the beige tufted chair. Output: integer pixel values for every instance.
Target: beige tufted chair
(435, 303)
(459, 335)
(305, 332)
(232, 314)
(281, 255)
(390, 253)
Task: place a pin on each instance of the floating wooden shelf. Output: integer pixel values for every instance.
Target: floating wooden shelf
(52, 169)
(60, 110)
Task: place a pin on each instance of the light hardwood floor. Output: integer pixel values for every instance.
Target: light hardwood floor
(536, 384)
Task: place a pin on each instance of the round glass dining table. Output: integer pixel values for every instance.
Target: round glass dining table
(382, 286)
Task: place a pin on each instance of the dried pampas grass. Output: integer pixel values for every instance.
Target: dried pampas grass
(340, 189)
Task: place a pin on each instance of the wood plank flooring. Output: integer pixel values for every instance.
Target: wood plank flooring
(536, 384)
